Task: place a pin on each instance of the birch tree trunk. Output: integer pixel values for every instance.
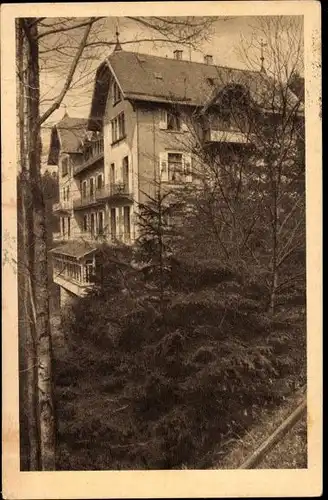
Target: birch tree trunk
(40, 294)
(30, 459)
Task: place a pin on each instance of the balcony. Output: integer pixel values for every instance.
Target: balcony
(225, 136)
(113, 191)
(93, 152)
(62, 206)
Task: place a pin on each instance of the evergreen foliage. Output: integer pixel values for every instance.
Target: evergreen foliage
(170, 354)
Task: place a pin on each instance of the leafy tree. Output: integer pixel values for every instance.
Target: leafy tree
(249, 197)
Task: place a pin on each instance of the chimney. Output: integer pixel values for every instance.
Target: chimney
(178, 55)
(208, 59)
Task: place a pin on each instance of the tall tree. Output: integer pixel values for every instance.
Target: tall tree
(250, 198)
(30, 458)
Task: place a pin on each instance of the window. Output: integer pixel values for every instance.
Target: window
(64, 166)
(118, 128)
(68, 226)
(112, 173)
(113, 223)
(63, 226)
(101, 223)
(173, 120)
(99, 181)
(117, 95)
(126, 171)
(175, 166)
(85, 223)
(92, 224)
(92, 186)
(121, 125)
(88, 270)
(84, 189)
(127, 224)
(114, 130)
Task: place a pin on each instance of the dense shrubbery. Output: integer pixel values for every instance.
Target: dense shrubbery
(150, 385)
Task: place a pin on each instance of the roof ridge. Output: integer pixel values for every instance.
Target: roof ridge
(72, 118)
(221, 66)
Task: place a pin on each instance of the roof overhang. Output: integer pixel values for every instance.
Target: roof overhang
(100, 94)
(77, 250)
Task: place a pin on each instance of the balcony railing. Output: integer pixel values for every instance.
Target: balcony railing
(115, 190)
(93, 152)
(103, 236)
(232, 136)
(62, 206)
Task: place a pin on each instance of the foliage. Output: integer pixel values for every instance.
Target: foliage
(175, 349)
(139, 390)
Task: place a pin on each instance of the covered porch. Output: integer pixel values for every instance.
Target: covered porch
(74, 266)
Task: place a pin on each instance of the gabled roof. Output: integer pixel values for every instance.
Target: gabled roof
(75, 248)
(158, 79)
(67, 136)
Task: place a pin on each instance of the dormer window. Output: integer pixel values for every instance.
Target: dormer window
(117, 95)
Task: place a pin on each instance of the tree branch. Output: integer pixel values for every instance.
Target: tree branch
(70, 75)
(69, 28)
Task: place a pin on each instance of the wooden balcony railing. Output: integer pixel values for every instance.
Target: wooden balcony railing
(117, 189)
(62, 206)
(93, 152)
(228, 136)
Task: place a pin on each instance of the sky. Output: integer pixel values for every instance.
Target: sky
(223, 43)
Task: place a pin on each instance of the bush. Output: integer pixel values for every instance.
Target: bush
(158, 390)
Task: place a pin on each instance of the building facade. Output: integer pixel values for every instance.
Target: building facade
(147, 114)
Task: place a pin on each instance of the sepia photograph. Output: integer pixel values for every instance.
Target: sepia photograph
(161, 253)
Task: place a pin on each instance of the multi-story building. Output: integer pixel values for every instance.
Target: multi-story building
(138, 134)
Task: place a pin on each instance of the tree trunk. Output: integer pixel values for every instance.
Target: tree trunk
(29, 437)
(274, 226)
(274, 286)
(40, 265)
(27, 340)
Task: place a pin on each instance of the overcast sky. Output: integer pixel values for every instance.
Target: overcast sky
(223, 43)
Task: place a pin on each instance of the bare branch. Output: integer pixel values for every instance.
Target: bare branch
(61, 29)
(70, 75)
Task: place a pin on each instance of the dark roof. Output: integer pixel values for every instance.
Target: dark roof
(170, 79)
(67, 136)
(75, 248)
(72, 132)
(159, 79)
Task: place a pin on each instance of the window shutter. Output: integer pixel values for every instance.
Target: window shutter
(187, 167)
(184, 126)
(163, 167)
(163, 119)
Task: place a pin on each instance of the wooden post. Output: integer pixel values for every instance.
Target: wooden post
(275, 437)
